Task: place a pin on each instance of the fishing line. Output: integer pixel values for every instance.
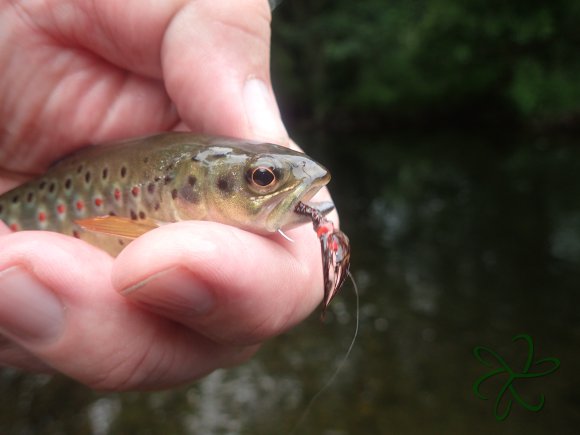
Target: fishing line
(339, 367)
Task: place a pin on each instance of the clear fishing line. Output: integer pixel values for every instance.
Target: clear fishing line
(339, 367)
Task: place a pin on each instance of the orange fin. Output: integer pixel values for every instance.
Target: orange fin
(117, 226)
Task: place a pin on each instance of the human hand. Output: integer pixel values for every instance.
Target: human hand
(181, 300)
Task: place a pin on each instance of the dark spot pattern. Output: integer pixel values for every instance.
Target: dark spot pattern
(51, 187)
(80, 169)
(121, 242)
(88, 177)
(191, 180)
(151, 188)
(105, 173)
(224, 185)
(146, 160)
(68, 183)
(112, 213)
(76, 234)
(174, 193)
(1, 208)
(123, 172)
(133, 215)
(156, 179)
(156, 206)
(142, 215)
(168, 179)
(42, 185)
(15, 199)
(189, 194)
(30, 197)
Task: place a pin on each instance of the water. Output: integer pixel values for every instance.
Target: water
(458, 241)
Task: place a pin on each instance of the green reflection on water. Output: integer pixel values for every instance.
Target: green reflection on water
(458, 241)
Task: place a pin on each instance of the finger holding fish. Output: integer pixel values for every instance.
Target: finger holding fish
(58, 306)
(229, 285)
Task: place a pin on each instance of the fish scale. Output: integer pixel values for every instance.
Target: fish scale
(108, 194)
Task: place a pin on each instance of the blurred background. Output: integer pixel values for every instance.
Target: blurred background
(450, 128)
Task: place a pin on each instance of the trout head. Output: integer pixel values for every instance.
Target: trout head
(256, 186)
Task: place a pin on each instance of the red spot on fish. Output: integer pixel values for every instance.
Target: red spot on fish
(80, 205)
(117, 194)
(60, 208)
(14, 227)
(98, 202)
(41, 216)
(135, 191)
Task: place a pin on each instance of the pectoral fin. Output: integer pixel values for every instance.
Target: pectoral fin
(117, 226)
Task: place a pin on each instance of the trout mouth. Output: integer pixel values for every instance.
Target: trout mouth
(284, 216)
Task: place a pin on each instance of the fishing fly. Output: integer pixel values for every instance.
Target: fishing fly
(335, 250)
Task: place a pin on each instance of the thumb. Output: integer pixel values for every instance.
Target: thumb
(215, 60)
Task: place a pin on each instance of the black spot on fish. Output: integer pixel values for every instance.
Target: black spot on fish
(169, 167)
(80, 169)
(30, 197)
(123, 172)
(51, 187)
(133, 215)
(156, 206)
(156, 179)
(1, 208)
(121, 242)
(142, 215)
(174, 193)
(68, 183)
(88, 176)
(76, 234)
(105, 173)
(191, 180)
(151, 188)
(42, 185)
(146, 160)
(189, 194)
(224, 185)
(15, 199)
(112, 213)
(167, 179)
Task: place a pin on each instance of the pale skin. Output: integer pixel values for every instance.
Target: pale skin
(182, 300)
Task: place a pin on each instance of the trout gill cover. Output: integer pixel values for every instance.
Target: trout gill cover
(110, 194)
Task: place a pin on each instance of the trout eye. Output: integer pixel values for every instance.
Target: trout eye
(263, 176)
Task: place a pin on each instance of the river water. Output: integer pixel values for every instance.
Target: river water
(459, 241)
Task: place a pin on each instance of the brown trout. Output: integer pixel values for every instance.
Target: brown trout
(110, 194)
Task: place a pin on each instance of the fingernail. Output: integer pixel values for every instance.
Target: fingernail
(262, 112)
(173, 290)
(29, 311)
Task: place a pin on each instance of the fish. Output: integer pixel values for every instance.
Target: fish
(110, 194)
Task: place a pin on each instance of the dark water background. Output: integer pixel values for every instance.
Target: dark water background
(459, 240)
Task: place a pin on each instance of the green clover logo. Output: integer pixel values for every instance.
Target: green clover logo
(513, 376)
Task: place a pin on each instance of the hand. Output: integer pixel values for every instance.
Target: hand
(181, 300)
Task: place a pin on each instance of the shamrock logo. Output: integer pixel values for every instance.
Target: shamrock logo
(509, 385)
